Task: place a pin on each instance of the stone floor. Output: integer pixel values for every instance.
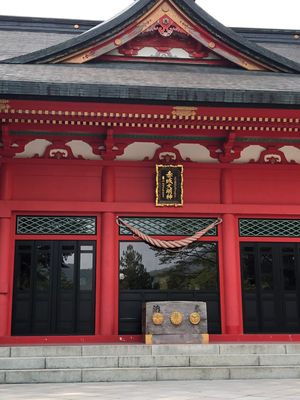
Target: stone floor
(172, 390)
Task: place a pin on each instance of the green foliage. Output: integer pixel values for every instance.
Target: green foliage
(192, 268)
(134, 271)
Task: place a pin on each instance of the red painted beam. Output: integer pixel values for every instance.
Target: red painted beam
(138, 339)
(69, 207)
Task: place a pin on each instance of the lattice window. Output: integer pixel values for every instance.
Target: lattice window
(52, 225)
(270, 227)
(168, 226)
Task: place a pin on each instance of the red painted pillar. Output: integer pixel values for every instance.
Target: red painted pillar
(232, 296)
(109, 266)
(6, 268)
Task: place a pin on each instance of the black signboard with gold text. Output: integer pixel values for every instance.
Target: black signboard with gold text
(169, 185)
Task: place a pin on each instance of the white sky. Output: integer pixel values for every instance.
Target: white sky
(242, 13)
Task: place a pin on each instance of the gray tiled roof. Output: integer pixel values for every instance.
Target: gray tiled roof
(51, 25)
(110, 28)
(290, 51)
(16, 43)
(145, 82)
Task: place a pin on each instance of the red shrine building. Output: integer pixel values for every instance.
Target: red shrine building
(163, 122)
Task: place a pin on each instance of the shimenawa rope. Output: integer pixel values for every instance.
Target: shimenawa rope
(170, 244)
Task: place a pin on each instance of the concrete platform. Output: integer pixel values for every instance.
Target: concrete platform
(175, 390)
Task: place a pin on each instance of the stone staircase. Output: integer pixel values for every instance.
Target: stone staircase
(108, 363)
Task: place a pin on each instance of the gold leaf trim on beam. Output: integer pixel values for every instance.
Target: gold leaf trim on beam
(4, 105)
(185, 111)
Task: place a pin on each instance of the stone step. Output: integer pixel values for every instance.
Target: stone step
(265, 372)
(13, 363)
(255, 372)
(187, 361)
(152, 361)
(104, 363)
(117, 362)
(258, 348)
(279, 359)
(140, 349)
(147, 374)
(23, 363)
(69, 351)
(225, 349)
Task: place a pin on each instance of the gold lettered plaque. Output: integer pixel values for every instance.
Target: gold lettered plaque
(169, 185)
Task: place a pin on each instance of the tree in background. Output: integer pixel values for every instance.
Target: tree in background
(191, 268)
(132, 270)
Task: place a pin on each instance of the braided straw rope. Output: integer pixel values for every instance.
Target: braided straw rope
(170, 244)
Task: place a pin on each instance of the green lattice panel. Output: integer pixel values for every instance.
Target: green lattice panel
(270, 227)
(52, 225)
(168, 226)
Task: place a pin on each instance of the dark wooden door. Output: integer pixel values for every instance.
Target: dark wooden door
(271, 287)
(54, 288)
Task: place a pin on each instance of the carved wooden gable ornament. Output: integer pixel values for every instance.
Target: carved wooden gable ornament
(164, 33)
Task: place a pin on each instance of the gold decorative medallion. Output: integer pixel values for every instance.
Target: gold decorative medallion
(157, 318)
(195, 318)
(118, 42)
(176, 318)
(165, 7)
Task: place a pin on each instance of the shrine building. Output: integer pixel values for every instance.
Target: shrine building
(152, 157)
